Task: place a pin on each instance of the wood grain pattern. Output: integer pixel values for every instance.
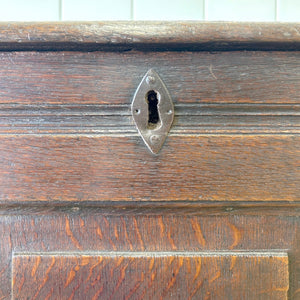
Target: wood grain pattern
(89, 231)
(194, 168)
(151, 276)
(76, 203)
(90, 36)
(111, 78)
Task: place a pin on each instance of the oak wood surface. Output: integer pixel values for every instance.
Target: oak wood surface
(86, 233)
(78, 185)
(151, 276)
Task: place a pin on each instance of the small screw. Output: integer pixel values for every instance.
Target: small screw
(150, 79)
(169, 112)
(75, 208)
(154, 139)
(137, 111)
(229, 208)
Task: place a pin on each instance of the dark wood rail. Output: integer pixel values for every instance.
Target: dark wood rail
(149, 36)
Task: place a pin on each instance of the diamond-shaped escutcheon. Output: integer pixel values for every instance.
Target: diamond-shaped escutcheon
(152, 110)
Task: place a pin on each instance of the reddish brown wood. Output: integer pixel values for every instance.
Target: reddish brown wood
(223, 191)
(146, 276)
(112, 78)
(88, 232)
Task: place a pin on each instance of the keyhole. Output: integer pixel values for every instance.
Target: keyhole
(152, 99)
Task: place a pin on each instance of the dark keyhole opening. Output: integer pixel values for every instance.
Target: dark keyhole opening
(153, 117)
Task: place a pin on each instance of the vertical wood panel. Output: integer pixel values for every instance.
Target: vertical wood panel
(91, 10)
(50, 10)
(242, 10)
(33, 10)
(166, 10)
(288, 10)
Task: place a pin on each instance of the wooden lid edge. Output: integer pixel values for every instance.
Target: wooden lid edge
(144, 35)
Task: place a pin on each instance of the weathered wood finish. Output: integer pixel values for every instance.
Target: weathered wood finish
(88, 232)
(150, 276)
(87, 212)
(149, 36)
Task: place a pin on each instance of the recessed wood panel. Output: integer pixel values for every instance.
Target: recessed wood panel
(151, 276)
(79, 230)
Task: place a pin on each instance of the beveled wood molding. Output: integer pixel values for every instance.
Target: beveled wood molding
(115, 120)
(148, 36)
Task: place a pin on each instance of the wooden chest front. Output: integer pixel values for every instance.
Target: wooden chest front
(88, 212)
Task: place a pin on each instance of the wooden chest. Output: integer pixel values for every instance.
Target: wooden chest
(88, 212)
